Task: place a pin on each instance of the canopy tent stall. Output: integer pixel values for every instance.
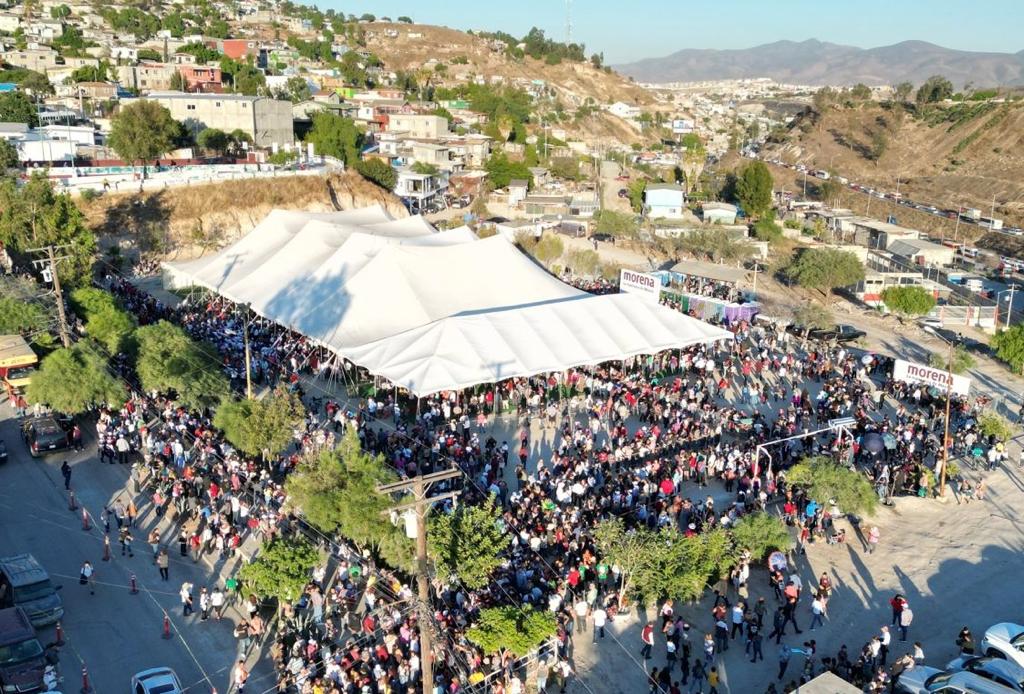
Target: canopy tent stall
(428, 310)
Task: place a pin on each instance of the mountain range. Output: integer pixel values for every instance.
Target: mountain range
(818, 63)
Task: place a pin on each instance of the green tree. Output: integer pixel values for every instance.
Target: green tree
(627, 549)
(860, 92)
(405, 20)
(178, 83)
(909, 300)
(422, 167)
(169, 360)
(813, 315)
(281, 570)
(549, 248)
(617, 224)
(830, 190)
(517, 629)
(32, 215)
(902, 91)
(992, 423)
(378, 171)
(635, 193)
(1009, 346)
(247, 79)
(879, 144)
(8, 156)
(962, 360)
(468, 543)
(16, 107)
(213, 140)
(111, 328)
(501, 170)
(142, 131)
(678, 566)
(23, 311)
(566, 168)
(754, 188)
(335, 136)
(583, 262)
(92, 73)
(297, 90)
(765, 229)
(825, 269)
(35, 83)
(265, 425)
(75, 380)
(336, 491)
(828, 482)
(761, 533)
(936, 88)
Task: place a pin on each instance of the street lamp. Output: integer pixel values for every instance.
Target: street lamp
(1009, 305)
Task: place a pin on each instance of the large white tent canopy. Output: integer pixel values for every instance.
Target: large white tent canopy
(429, 310)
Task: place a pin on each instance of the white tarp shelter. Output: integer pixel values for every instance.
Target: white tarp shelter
(429, 310)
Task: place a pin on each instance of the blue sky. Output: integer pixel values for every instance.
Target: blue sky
(659, 27)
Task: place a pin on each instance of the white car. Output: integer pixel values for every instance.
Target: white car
(1005, 640)
(930, 323)
(158, 680)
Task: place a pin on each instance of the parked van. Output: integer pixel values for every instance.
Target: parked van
(24, 583)
(17, 362)
(22, 658)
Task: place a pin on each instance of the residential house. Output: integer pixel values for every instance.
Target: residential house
(99, 91)
(419, 191)
(921, 252)
(202, 78)
(38, 59)
(419, 125)
(45, 29)
(467, 183)
(267, 121)
(429, 153)
(10, 21)
(146, 77)
(129, 53)
(473, 150)
(869, 290)
(584, 204)
(664, 201)
(718, 213)
(624, 110)
(546, 205)
(873, 233)
(517, 191)
(239, 49)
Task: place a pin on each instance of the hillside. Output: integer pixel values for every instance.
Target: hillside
(186, 222)
(963, 154)
(819, 63)
(573, 83)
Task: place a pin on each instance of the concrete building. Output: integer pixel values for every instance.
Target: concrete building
(146, 77)
(418, 126)
(921, 252)
(664, 201)
(624, 110)
(267, 121)
(718, 213)
(419, 190)
(39, 59)
(202, 78)
(517, 190)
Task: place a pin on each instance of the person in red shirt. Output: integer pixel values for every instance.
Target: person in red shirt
(647, 636)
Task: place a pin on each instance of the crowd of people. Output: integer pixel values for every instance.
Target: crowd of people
(632, 440)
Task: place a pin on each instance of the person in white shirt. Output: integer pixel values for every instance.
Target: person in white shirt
(600, 619)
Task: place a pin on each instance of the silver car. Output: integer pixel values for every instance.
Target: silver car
(159, 680)
(991, 668)
(929, 680)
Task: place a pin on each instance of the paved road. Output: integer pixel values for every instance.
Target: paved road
(115, 634)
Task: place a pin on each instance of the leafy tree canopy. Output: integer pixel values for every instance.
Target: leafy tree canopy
(142, 131)
(754, 188)
(1009, 346)
(378, 171)
(501, 170)
(992, 423)
(962, 360)
(910, 300)
(75, 380)
(16, 107)
(468, 543)
(761, 533)
(827, 482)
(335, 136)
(936, 88)
(169, 360)
(23, 311)
(825, 269)
(516, 629)
(281, 570)
(259, 426)
(617, 224)
(33, 215)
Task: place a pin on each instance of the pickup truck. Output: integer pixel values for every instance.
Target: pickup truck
(839, 333)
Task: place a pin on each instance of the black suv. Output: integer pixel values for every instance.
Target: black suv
(46, 434)
(839, 333)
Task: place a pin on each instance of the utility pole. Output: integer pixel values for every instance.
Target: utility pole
(49, 264)
(945, 435)
(420, 487)
(248, 355)
(1009, 307)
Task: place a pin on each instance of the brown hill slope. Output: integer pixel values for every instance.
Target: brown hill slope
(963, 154)
(188, 221)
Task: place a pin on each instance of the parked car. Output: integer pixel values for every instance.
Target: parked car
(602, 237)
(159, 680)
(998, 670)
(22, 658)
(44, 435)
(932, 323)
(929, 680)
(24, 583)
(839, 333)
(1004, 640)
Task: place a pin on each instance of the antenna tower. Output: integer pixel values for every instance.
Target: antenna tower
(568, 21)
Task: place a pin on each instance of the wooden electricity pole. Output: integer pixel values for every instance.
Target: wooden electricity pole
(419, 486)
(49, 264)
